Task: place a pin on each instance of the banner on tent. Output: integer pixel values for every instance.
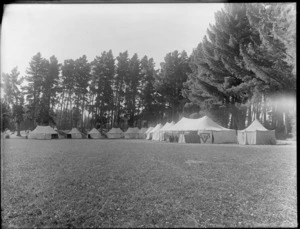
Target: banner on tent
(206, 137)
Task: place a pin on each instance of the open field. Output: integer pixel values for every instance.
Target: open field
(140, 183)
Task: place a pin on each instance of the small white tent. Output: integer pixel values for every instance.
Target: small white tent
(256, 134)
(43, 132)
(155, 132)
(132, 133)
(142, 132)
(163, 130)
(147, 135)
(150, 132)
(95, 134)
(115, 133)
(74, 133)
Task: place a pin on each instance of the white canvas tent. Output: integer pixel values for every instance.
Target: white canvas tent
(142, 132)
(95, 134)
(150, 133)
(163, 130)
(115, 133)
(207, 129)
(74, 133)
(147, 135)
(155, 132)
(256, 134)
(43, 132)
(132, 133)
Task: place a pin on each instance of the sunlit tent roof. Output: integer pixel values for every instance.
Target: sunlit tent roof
(255, 125)
(187, 124)
(157, 127)
(149, 129)
(256, 134)
(43, 132)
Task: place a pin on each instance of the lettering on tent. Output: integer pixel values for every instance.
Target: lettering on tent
(204, 136)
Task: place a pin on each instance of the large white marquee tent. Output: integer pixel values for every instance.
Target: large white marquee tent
(256, 134)
(207, 129)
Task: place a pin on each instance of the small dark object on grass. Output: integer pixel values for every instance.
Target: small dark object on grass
(7, 136)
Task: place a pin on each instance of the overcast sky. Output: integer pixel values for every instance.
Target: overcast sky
(70, 31)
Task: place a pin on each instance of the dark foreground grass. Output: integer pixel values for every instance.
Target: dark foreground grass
(138, 183)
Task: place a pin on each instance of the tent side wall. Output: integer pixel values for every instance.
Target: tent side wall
(224, 136)
(265, 137)
(206, 136)
(114, 135)
(242, 137)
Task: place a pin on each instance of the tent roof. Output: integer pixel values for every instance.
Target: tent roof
(115, 131)
(149, 129)
(204, 123)
(44, 130)
(132, 130)
(255, 125)
(94, 131)
(74, 131)
(143, 130)
(166, 126)
(156, 128)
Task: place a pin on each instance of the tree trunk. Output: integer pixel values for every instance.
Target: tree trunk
(18, 128)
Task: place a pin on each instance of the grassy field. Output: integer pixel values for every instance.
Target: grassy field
(139, 183)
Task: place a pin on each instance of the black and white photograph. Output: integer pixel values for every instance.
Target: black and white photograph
(148, 114)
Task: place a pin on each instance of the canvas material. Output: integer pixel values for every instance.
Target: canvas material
(42, 132)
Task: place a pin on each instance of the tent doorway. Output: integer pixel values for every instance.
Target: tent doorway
(69, 135)
(54, 136)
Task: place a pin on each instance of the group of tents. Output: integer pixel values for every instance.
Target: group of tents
(202, 130)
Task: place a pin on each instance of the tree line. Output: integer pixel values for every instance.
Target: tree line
(240, 71)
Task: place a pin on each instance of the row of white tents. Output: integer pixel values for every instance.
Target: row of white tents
(202, 130)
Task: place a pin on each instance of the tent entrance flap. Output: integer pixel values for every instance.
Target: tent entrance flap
(69, 135)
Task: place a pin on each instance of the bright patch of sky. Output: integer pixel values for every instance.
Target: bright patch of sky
(72, 30)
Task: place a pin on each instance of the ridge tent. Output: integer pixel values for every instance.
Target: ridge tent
(155, 132)
(150, 133)
(132, 133)
(142, 132)
(115, 133)
(147, 132)
(256, 134)
(43, 132)
(94, 134)
(207, 129)
(163, 130)
(74, 133)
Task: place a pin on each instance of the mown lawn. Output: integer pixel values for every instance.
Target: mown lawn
(139, 183)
